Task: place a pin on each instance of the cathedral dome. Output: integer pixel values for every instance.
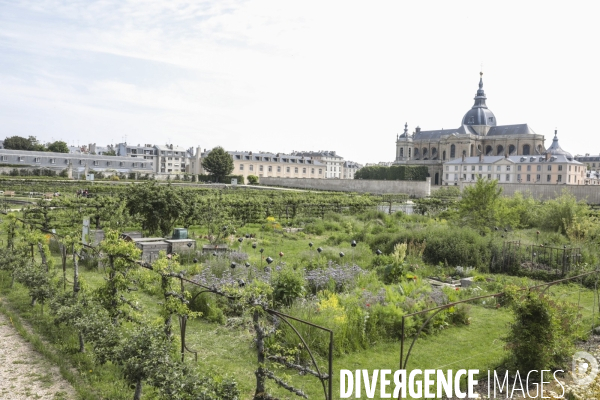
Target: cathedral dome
(556, 150)
(479, 114)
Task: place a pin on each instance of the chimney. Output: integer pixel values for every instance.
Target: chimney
(480, 157)
(463, 156)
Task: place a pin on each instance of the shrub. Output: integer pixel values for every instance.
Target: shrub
(543, 332)
(252, 179)
(288, 285)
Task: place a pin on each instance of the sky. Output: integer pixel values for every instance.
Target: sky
(281, 75)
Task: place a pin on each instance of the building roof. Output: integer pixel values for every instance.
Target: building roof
(555, 148)
(479, 114)
(272, 157)
(518, 129)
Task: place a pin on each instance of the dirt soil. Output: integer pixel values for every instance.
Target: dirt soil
(24, 373)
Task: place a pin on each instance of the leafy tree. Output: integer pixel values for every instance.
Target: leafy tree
(219, 163)
(482, 206)
(110, 152)
(21, 143)
(158, 206)
(58, 147)
(253, 179)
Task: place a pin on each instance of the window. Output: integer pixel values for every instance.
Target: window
(538, 168)
(251, 168)
(498, 168)
(464, 167)
(472, 168)
(548, 177)
(108, 163)
(518, 177)
(538, 178)
(559, 178)
(134, 164)
(401, 152)
(489, 167)
(287, 169)
(36, 159)
(409, 153)
(452, 151)
(498, 177)
(481, 167)
(549, 167)
(490, 176)
(320, 171)
(529, 168)
(472, 177)
(303, 170)
(447, 168)
(295, 170)
(260, 168)
(508, 167)
(526, 149)
(4, 158)
(560, 167)
(270, 168)
(446, 176)
(479, 175)
(278, 168)
(518, 167)
(507, 178)
(569, 168)
(96, 163)
(312, 170)
(456, 167)
(528, 178)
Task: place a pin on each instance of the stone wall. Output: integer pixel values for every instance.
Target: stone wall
(412, 188)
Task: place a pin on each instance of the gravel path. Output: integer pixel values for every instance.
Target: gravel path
(24, 373)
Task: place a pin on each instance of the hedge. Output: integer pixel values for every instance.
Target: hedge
(227, 179)
(393, 173)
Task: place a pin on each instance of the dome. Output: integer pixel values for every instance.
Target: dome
(480, 114)
(556, 150)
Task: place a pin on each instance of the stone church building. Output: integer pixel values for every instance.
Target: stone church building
(478, 134)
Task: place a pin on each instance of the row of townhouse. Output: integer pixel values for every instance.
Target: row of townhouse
(175, 160)
(77, 163)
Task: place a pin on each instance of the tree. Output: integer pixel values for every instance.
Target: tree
(219, 163)
(158, 206)
(58, 147)
(21, 143)
(253, 179)
(482, 206)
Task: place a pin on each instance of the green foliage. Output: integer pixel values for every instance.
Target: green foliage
(157, 206)
(21, 143)
(543, 332)
(564, 213)
(395, 173)
(226, 179)
(482, 206)
(219, 163)
(58, 147)
(288, 285)
(253, 179)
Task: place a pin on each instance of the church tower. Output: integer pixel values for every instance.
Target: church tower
(479, 118)
(404, 145)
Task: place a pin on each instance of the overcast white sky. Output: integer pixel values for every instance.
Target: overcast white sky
(303, 75)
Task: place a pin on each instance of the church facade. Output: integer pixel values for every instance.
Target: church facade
(477, 135)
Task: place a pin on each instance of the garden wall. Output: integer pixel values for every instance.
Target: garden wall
(412, 188)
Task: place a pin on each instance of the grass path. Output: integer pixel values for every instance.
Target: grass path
(25, 373)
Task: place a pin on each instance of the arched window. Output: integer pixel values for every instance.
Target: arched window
(464, 153)
(409, 153)
(511, 149)
(416, 152)
(444, 155)
(424, 151)
(500, 150)
(526, 150)
(452, 151)
(401, 151)
(471, 154)
(488, 150)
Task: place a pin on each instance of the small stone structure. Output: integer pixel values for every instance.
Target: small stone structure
(151, 247)
(181, 246)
